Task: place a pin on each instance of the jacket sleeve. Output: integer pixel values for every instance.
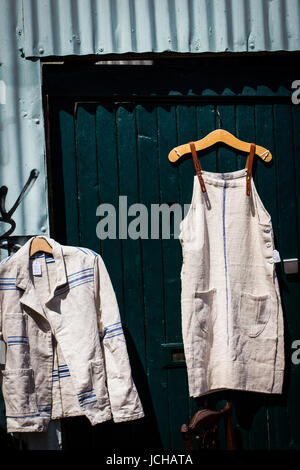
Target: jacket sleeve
(124, 400)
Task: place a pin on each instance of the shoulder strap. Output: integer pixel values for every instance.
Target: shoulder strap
(197, 166)
(248, 166)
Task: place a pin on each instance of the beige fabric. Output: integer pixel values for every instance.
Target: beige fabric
(232, 320)
(66, 353)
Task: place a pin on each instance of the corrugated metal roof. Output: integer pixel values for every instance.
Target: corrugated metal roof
(81, 27)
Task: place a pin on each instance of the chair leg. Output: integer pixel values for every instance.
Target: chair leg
(187, 439)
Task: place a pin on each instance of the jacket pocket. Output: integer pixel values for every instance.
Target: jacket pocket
(254, 313)
(98, 378)
(19, 392)
(15, 328)
(204, 310)
(16, 337)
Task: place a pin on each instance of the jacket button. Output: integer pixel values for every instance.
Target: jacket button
(271, 261)
(268, 244)
(267, 230)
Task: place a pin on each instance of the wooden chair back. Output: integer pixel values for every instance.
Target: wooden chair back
(204, 429)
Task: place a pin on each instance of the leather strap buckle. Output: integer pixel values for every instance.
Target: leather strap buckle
(248, 166)
(197, 166)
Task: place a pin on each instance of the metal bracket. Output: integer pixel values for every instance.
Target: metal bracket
(291, 266)
(173, 355)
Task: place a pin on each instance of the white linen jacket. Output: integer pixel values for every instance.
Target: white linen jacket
(66, 353)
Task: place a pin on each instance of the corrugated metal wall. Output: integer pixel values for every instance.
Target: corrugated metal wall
(21, 124)
(31, 29)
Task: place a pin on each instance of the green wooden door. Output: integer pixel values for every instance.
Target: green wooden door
(111, 130)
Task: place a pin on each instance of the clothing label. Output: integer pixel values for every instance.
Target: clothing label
(36, 268)
(276, 256)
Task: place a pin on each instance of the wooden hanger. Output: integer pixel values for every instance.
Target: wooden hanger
(220, 135)
(40, 244)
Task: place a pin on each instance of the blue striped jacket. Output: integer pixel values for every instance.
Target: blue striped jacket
(66, 353)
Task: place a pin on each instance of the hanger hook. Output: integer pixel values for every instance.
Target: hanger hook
(220, 125)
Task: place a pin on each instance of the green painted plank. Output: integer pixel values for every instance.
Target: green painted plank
(63, 168)
(66, 123)
(206, 123)
(131, 248)
(108, 183)
(296, 142)
(171, 248)
(167, 140)
(107, 162)
(132, 271)
(226, 157)
(186, 132)
(146, 124)
(266, 171)
(169, 194)
(245, 130)
(286, 180)
(87, 179)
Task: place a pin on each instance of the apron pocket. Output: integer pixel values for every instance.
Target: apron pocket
(204, 309)
(19, 392)
(254, 312)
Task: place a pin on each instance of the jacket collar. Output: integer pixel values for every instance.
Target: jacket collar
(24, 276)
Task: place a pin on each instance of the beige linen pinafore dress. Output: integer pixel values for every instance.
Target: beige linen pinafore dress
(232, 321)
